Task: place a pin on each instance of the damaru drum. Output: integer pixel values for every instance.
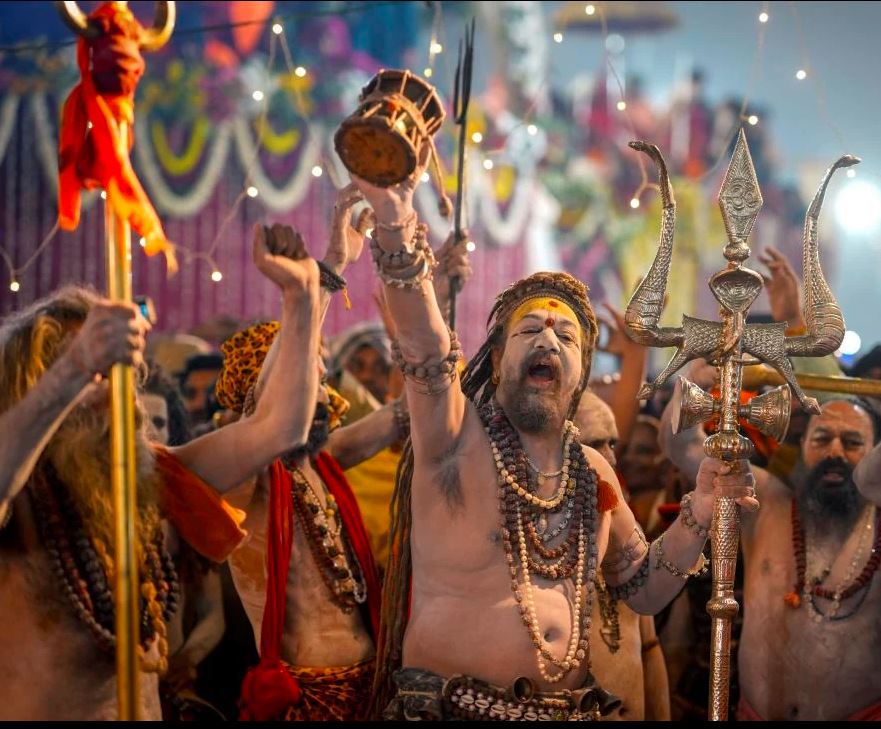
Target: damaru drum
(397, 115)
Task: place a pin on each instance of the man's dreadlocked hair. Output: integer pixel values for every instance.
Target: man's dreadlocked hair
(477, 385)
(477, 379)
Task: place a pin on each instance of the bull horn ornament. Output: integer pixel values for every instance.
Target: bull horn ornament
(154, 37)
(724, 344)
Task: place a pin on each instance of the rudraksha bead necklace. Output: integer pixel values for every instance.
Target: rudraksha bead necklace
(848, 586)
(340, 573)
(85, 571)
(575, 558)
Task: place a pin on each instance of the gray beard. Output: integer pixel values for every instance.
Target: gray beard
(527, 412)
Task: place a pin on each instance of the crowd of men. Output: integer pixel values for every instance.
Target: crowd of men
(409, 533)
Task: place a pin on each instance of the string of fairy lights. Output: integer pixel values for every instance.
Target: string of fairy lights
(277, 38)
(278, 41)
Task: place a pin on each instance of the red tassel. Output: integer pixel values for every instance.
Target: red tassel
(792, 599)
(607, 499)
(267, 692)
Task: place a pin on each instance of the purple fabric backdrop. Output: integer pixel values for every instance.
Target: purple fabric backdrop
(191, 297)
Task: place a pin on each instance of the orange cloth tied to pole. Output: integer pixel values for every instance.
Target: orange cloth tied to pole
(88, 157)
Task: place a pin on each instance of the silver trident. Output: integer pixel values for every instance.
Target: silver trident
(724, 344)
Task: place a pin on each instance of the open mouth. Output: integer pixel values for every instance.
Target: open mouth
(544, 372)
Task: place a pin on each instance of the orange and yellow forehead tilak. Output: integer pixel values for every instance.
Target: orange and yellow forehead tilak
(545, 303)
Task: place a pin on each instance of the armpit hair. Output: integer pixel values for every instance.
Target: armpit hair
(449, 480)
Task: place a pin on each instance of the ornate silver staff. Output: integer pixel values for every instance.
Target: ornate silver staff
(724, 344)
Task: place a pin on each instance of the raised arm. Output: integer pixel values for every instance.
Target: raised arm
(355, 443)
(649, 576)
(343, 249)
(111, 333)
(867, 476)
(286, 406)
(403, 259)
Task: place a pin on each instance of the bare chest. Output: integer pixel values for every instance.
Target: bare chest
(52, 668)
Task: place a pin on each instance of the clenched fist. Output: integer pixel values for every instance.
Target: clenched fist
(721, 478)
(113, 333)
(280, 255)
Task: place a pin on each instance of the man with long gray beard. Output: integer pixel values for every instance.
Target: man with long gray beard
(809, 648)
(56, 566)
(496, 621)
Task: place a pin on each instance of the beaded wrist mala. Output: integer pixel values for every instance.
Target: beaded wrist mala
(688, 517)
(432, 378)
(330, 279)
(406, 268)
(700, 567)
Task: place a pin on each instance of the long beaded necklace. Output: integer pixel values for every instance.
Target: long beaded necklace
(848, 587)
(611, 630)
(85, 570)
(575, 558)
(340, 574)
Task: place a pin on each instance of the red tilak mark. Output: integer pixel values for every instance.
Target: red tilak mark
(549, 322)
(553, 304)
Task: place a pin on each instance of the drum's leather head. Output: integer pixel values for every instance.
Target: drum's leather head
(373, 151)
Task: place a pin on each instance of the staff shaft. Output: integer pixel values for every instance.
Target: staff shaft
(122, 468)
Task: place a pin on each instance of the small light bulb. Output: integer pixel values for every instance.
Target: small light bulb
(427, 73)
(252, 191)
(488, 164)
(532, 130)
(14, 286)
(801, 74)
(103, 194)
(277, 28)
(425, 177)
(470, 246)
(753, 119)
(558, 37)
(317, 171)
(851, 173)
(477, 137)
(763, 17)
(634, 203)
(257, 95)
(142, 242)
(299, 71)
(216, 276)
(621, 105)
(436, 48)
(88, 125)
(589, 9)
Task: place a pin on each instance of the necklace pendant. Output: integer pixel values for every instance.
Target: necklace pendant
(541, 478)
(542, 524)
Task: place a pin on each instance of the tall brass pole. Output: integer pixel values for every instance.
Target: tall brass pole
(724, 343)
(122, 471)
(122, 405)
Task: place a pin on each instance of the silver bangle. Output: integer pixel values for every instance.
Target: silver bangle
(700, 567)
